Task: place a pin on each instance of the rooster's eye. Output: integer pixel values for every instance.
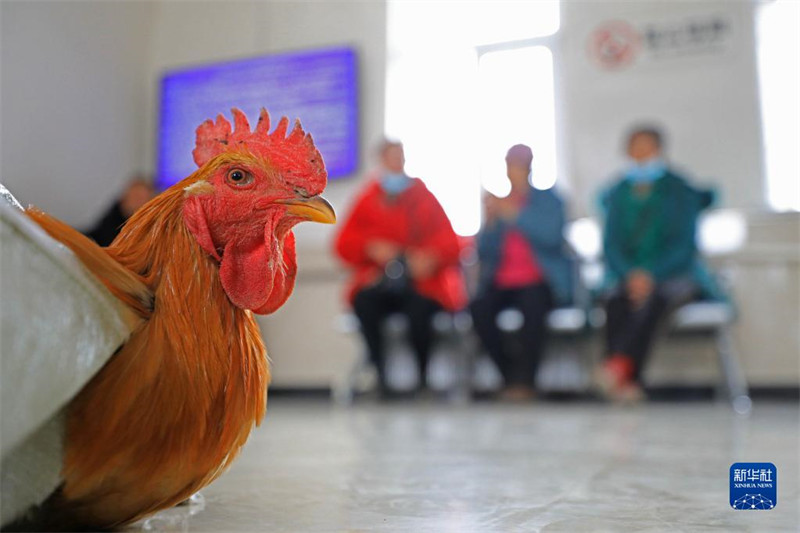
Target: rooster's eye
(239, 177)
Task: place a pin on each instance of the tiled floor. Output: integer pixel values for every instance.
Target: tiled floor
(487, 467)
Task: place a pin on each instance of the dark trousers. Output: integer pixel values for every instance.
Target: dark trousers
(534, 302)
(630, 330)
(373, 305)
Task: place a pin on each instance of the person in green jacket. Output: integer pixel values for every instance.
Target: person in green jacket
(652, 264)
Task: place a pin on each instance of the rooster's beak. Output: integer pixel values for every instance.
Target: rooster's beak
(315, 209)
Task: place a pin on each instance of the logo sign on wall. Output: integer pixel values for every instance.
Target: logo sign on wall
(614, 44)
(617, 44)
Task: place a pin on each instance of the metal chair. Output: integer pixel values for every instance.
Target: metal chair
(451, 330)
(717, 318)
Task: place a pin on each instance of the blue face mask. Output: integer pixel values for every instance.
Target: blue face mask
(646, 172)
(395, 183)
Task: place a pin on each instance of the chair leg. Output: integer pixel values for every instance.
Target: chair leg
(735, 381)
(463, 367)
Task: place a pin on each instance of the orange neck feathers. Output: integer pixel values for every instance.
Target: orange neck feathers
(173, 407)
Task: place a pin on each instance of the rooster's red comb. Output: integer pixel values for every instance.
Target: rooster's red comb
(294, 154)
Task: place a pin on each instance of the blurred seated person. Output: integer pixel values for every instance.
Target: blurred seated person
(652, 265)
(523, 264)
(404, 257)
(137, 192)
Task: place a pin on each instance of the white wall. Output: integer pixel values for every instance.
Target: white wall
(72, 100)
(707, 99)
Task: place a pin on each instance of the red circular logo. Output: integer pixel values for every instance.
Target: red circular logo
(614, 44)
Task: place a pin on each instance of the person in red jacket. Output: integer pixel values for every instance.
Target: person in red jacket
(404, 257)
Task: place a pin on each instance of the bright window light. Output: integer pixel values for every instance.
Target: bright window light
(586, 237)
(517, 106)
(779, 73)
(721, 231)
(452, 111)
(419, 24)
(427, 96)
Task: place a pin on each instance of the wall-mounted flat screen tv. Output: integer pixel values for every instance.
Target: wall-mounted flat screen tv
(319, 87)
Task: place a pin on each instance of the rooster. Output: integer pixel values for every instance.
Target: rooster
(172, 408)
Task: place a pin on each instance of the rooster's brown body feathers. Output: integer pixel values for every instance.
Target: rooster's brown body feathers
(173, 407)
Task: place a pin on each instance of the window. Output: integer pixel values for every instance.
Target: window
(458, 99)
(779, 76)
(516, 106)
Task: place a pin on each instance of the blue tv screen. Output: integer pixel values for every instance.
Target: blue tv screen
(319, 87)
